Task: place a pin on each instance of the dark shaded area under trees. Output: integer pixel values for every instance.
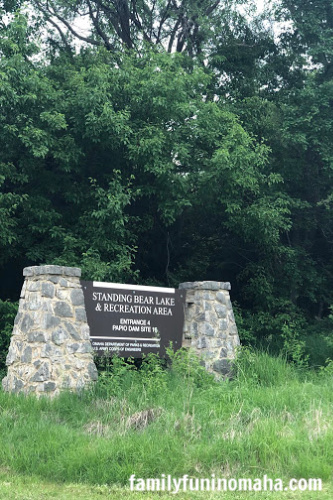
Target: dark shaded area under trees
(184, 141)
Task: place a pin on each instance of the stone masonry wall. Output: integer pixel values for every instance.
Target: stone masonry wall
(50, 348)
(210, 326)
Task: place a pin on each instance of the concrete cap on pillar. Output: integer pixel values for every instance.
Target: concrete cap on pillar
(55, 270)
(205, 285)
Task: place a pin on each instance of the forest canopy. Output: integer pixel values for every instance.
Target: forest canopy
(170, 141)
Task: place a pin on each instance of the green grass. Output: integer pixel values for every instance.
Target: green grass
(18, 487)
(270, 419)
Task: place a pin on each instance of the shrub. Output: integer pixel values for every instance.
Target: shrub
(8, 311)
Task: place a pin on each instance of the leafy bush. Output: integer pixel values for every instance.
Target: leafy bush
(111, 373)
(8, 312)
(186, 363)
(318, 340)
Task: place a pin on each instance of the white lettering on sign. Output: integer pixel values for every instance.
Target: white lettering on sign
(133, 319)
(112, 297)
(134, 304)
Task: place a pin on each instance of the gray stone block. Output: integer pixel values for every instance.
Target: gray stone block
(63, 294)
(41, 270)
(209, 330)
(223, 325)
(73, 331)
(72, 271)
(221, 310)
(18, 345)
(62, 309)
(209, 354)
(77, 297)
(201, 343)
(233, 329)
(51, 351)
(27, 323)
(217, 342)
(27, 355)
(223, 366)
(46, 306)
(59, 336)
(34, 303)
(225, 286)
(48, 290)
(92, 370)
(11, 356)
(205, 285)
(16, 385)
(42, 374)
(22, 305)
(18, 318)
(49, 386)
(85, 332)
(194, 329)
(207, 305)
(33, 286)
(54, 279)
(49, 321)
(208, 285)
(221, 298)
(210, 317)
(51, 270)
(84, 348)
(5, 384)
(29, 390)
(67, 383)
(80, 314)
(186, 286)
(28, 271)
(72, 348)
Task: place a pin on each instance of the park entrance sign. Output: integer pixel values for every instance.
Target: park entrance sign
(133, 320)
(61, 321)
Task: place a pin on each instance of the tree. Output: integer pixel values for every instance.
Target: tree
(168, 158)
(312, 33)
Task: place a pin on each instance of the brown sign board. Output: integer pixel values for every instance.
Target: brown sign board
(132, 320)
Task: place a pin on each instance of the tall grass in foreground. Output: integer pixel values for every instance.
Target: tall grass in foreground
(270, 419)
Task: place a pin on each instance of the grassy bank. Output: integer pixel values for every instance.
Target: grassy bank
(270, 419)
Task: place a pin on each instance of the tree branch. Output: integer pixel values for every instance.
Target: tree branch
(48, 13)
(98, 28)
(210, 9)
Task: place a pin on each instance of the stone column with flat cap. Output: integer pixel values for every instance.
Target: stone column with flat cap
(50, 349)
(210, 326)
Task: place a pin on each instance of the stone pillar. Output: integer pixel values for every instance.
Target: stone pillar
(209, 325)
(50, 348)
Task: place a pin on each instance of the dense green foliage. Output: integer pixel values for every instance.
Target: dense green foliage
(185, 142)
